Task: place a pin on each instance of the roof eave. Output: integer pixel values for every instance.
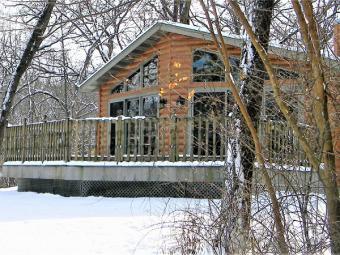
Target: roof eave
(92, 83)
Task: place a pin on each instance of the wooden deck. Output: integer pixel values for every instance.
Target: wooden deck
(141, 140)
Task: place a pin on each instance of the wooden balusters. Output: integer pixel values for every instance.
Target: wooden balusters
(140, 139)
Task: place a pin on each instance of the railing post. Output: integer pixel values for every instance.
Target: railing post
(122, 139)
(24, 142)
(190, 139)
(76, 139)
(45, 141)
(173, 139)
(118, 151)
(68, 138)
(4, 144)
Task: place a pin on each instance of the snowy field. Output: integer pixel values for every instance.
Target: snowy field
(37, 224)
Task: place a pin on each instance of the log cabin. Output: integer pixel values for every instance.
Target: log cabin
(164, 108)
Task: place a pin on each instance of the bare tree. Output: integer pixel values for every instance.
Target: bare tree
(173, 10)
(31, 48)
(309, 32)
(221, 46)
(252, 73)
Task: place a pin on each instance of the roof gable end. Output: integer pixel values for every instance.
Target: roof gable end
(157, 30)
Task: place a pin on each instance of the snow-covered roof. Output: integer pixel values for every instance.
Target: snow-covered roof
(151, 36)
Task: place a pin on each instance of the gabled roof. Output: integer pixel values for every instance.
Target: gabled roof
(145, 40)
(151, 36)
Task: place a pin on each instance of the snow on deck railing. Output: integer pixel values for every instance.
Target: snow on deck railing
(141, 139)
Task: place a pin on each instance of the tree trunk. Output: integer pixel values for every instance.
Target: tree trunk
(251, 90)
(180, 10)
(31, 48)
(222, 48)
(185, 11)
(308, 31)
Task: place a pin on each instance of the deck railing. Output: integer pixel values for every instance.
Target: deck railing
(140, 139)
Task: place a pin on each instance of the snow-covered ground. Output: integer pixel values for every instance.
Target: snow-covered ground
(42, 224)
(32, 223)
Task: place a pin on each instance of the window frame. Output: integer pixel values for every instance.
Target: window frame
(142, 71)
(139, 69)
(192, 63)
(140, 105)
(286, 89)
(212, 52)
(209, 90)
(226, 91)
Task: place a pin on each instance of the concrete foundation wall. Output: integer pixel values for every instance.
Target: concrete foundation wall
(146, 181)
(116, 173)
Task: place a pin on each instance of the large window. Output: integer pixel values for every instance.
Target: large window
(209, 104)
(132, 107)
(150, 106)
(116, 109)
(139, 106)
(145, 76)
(208, 67)
(150, 73)
(212, 106)
(271, 110)
(133, 82)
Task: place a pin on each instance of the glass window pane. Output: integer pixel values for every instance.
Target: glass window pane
(286, 74)
(150, 104)
(117, 89)
(133, 81)
(116, 109)
(272, 110)
(207, 67)
(150, 73)
(132, 107)
(235, 68)
(209, 104)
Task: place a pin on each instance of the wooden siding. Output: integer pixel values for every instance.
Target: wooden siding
(175, 78)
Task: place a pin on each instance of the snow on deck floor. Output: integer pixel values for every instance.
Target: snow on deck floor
(37, 224)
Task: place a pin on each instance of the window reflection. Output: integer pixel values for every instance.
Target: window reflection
(150, 71)
(133, 81)
(271, 109)
(209, 104)
(132, 107)
(207, 67)
(150, 104)
(118, 89)
(116, 109)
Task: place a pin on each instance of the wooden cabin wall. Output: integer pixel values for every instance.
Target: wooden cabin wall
(175, 79)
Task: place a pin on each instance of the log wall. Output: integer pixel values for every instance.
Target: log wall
(175, 78)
